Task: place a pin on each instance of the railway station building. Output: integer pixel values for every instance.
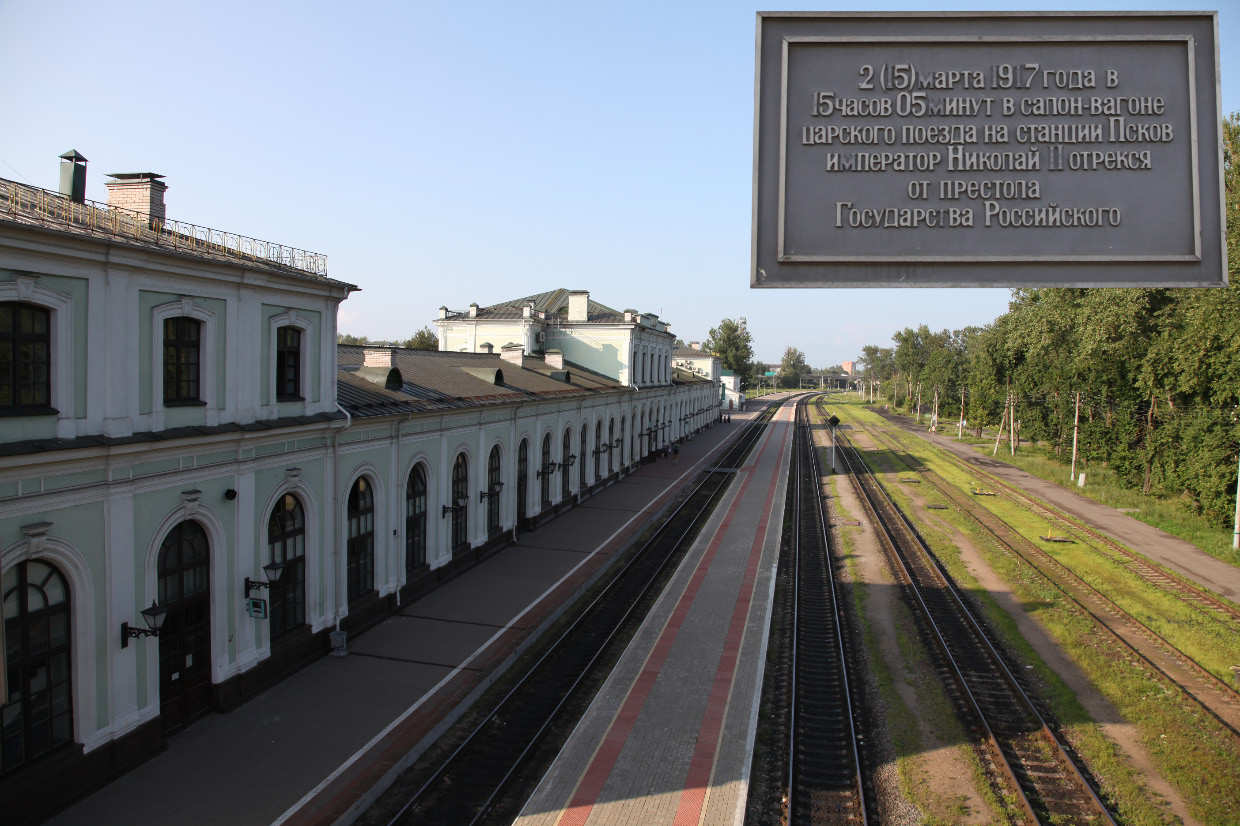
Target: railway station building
(184, 448)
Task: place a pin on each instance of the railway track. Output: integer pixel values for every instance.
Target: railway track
(825, 766)
(1043, 778)
(506, 746)
(1213, 694)
(1200, 599)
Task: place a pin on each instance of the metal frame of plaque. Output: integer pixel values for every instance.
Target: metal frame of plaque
(995, 149)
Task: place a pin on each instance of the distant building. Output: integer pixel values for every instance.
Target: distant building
(849, 366)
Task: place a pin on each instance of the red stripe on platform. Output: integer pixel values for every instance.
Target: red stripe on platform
(604, 760)
(693, 797)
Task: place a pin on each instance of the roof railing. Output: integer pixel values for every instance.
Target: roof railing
(54, 209)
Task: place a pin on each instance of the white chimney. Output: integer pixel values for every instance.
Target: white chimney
(473, 310)
(486, 347)
(579, 305)
(513, 353)
(555, 359)
(379, 358)
(696, 345)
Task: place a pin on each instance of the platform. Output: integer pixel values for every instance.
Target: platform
(315, 747)
(669, 737)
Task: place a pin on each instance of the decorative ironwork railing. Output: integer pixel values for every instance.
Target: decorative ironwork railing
(45, 207)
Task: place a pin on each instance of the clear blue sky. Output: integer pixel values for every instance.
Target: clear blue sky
(443, 153)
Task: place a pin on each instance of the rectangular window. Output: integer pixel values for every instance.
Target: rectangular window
(25, 359)
(288, 364)
(181, 360)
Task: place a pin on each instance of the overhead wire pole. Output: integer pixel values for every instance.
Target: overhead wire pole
(1076, 426)
(960, 423)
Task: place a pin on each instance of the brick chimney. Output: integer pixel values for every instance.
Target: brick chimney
(379, 358)
(554, 359)
(139, 191)
(578, 305)
(514, 353)
(696, 345)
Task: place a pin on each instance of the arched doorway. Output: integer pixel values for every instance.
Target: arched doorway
(184, 569)
(39, 715)
(523, 483)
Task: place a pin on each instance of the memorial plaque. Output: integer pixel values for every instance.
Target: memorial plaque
(961, 149)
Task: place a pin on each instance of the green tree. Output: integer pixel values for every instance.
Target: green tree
(734, 347)
(792, 368)
(424, 339)
(345, 338)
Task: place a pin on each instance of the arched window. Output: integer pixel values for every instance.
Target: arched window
(645, 364)
(493, 490)
(39, 715)
(546, 472)
(611, 446)
(184, 568)
(25, 358)
(360, 563)
(598, 450)
(622, 423)
(523, 482)
(182, 339)
(415, 519)
(460, 501)
(633, 366)
(582, 454)
(286, 537)
(566, 451)
(641, 436)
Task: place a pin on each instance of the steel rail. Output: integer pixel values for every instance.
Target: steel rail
(1063, 579)
(877, 501)
(836, 793)
(1192, 594)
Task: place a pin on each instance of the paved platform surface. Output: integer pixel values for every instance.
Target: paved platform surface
(311, 749)
(668, 738)
(1176, 554)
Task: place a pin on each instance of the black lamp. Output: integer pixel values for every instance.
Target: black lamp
(272, 570)
(491, 491)
(461, 503)
(154, 616)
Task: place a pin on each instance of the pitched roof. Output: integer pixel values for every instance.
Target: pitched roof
(434, 380)
(549, 303)
(691, 353)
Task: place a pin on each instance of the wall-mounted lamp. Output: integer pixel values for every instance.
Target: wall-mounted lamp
(461, 503)
(569, 462)
(272, 570)
(230, 494)
(493, 490)
(547, 469)
(154, 616)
